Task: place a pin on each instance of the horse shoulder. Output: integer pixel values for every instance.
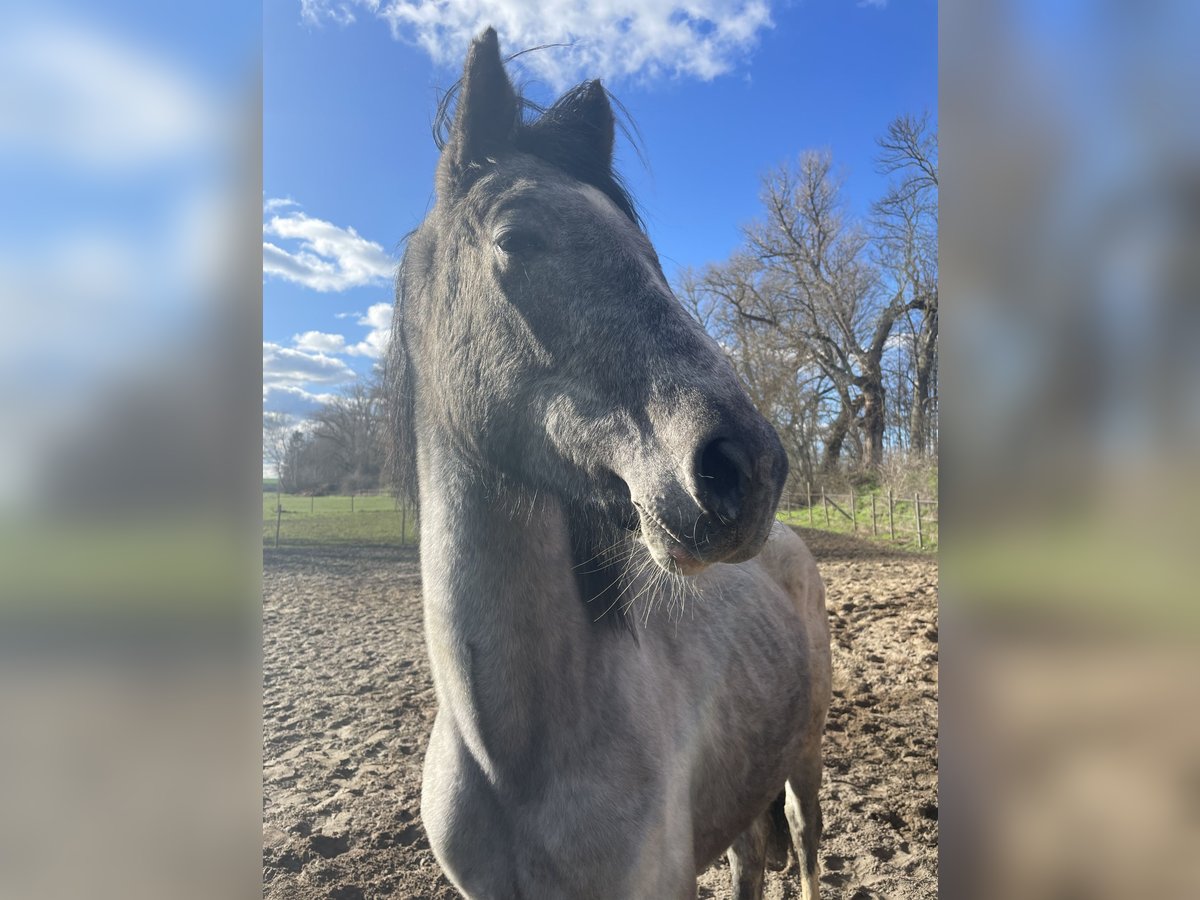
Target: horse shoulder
(790, 564)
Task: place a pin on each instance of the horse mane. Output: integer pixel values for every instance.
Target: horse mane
(399, 401)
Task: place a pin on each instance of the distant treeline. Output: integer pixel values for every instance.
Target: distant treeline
(339, 449)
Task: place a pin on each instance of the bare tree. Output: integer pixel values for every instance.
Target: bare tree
(779, 374)
(828, 296)
(808, 309)
(348, 433)
(906, 221)
(291, 468)
(277, 431)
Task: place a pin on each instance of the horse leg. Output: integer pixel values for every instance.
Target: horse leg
(803, 808)
(748, 859)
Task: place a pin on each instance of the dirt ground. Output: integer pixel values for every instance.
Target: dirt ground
(348, 706)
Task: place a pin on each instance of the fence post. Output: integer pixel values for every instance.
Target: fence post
(811, 522)
(278, 519)
(352, 501)
(403, 524)
(874, 525)
(891, 516)
(825, 503)
(920, 539)
(312, 503)
(853, 511)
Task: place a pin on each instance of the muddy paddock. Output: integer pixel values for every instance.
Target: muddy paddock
(348, 706)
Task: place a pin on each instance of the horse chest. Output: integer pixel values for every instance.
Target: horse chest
(633, 791)
(555, 831)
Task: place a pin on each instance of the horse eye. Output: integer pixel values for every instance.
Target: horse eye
(514, 241)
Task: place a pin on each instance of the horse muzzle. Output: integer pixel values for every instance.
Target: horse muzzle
(723, 506)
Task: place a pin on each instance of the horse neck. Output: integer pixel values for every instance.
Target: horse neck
(509, 641)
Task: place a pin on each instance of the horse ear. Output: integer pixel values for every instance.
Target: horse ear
(581, 123)
(487, 106)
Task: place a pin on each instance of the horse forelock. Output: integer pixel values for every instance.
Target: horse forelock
(535, 135)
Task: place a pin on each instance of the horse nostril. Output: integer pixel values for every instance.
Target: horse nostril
(724, 478)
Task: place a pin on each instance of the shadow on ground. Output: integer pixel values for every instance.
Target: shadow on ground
(832, 546)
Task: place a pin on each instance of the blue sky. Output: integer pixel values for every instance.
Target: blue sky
(719, 95)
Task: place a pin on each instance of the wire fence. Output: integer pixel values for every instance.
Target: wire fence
(879, 513)
(377, 517)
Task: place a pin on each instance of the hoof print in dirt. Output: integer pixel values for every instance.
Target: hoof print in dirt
(328, 846)
(412, 836)
(834, 879)
(286, 861)
(890, 817)
(408, 836)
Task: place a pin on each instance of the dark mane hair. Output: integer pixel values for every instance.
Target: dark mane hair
(534, 134)
(400, 459)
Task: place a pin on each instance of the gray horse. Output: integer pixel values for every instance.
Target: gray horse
(631, 658)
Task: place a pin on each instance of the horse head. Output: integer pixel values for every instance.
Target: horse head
(537, 339)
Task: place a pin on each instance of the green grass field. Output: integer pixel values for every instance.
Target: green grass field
(337, 520)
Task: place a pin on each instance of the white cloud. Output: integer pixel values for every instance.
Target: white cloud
(379, 319)
(608, 38)
(292, 402)
(319, 342)
(284, 366)
(296, 380)
(328, 258)
(313, 11)
(277, 203)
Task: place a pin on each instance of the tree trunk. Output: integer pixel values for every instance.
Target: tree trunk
(924, 382)
(870, 382)
(873, 419)
(839, 430)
